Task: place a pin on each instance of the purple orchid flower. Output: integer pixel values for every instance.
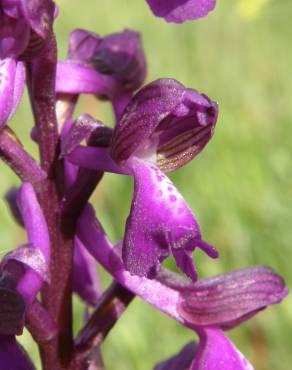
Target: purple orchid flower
(163, 127)
(27, 25)
(179, 11)
(207, 306)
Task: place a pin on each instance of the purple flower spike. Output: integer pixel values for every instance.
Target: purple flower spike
(229, 299)
(12, 81)
(160, 223)
(179, 11)
(167, 121)
(85, 277)
(180, 361)
(12, 355)
(216, 349)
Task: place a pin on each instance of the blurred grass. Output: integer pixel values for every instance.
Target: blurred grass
(239, 187)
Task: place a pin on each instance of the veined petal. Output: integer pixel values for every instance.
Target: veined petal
(179, 11)
(180, 361)
(160, 223)
(12, 355)
(229, 299)
(85, 276)
(215, 351)
(166, 120)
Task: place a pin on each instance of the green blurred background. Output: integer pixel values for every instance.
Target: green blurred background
(239, 187)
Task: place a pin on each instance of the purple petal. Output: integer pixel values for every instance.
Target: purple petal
(31, 257)
(14, 36)
(81, 129)
(83, 45)
(229, 299)
(38, 236)
(180, 361)
(179, 11)
(10, 197)
(166, 120)
(98, 159)
(214, 349)
(160, 223)
(85, 276)
(121, 56)
(76, 78)
(39, 14)
(19, 84)
(7, 75)
(12, 355)
(12, 80)
(34, 220)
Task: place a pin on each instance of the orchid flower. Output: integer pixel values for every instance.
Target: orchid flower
(207, 306)
(164, 126)
(179, 11)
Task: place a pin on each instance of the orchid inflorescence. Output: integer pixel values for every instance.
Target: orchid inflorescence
(159, 127)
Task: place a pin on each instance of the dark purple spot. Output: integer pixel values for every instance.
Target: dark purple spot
(172, 198)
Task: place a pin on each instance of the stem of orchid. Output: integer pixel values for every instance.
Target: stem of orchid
(57, 296)
(111, 306)
(22, 164)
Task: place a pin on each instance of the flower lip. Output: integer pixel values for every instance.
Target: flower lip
(166, 119)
